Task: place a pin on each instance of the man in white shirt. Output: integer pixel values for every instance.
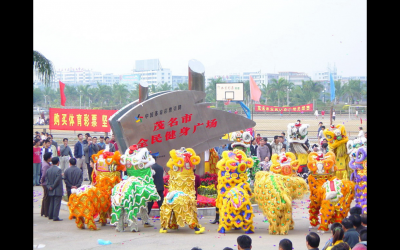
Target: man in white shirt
(321, 134)
(361, 134)
(316, 114)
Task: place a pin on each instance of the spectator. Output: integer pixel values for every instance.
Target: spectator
(258, 139)
(224, 148)
(43, 136)
(253, 148)
(364, 220)
(36, 162)
(197, 181)
(86, 136)
(315, 148)
(227, 248)
(281, 113)
(244, 242)
(218, 149)
(341, 246)
(94, 141)
(90, 149)
(324, 148)
(266, 164)
(321, 134)
(356, 219)
(356, 113)
(80, 160)
(351, 235)
(282, 139)
(329, 242)
(101, 144)
(322, 113)
(45, 200)
(53, 142)
(361, 134)
(109, 146)
(268, 145)
(276, 145)
(114, 142)
(285, 244)
(73, 176)
(41, 121)
(53, 148)
(312, 241)
(283, 150)
(263, 150)
(55, 189)
(333, 115)
(362, 245)
(316, 114)
(355, 210)
(65, 155)
(46, 148)
(159, 182)
(319, 129)
(337, 237)
(37, 121)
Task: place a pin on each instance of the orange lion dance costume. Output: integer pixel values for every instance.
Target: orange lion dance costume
(329, 194)
(88, 201)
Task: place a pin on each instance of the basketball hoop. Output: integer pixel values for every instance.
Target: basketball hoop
(227, 102)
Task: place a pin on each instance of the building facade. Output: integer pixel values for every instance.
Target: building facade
(151, 72)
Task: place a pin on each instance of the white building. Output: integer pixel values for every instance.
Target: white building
(80, 76)
(295, 77)
(151, 72)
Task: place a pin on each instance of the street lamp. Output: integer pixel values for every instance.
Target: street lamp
(80, 99)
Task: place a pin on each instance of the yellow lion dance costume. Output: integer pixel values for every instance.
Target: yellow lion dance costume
(337, 140)
(275, 191)
(234, 192)
(86, 202)
(180, 204)
(329, 195)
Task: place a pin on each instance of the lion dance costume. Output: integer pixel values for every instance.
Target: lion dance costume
(129, 197)
(234, 192)
(329, 195)
(275, 190)
(297, 137)
(358, 162)
(88, 201)
(179, 206)
(337, 139)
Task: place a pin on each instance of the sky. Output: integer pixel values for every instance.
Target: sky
(225, 36)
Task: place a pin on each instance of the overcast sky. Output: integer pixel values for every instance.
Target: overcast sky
(226, 36)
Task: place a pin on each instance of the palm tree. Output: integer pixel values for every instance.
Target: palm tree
(278, 87)
(104, 93)
(49, 94)
(264, 93)
(354, 90)
(84, 91)
(182, 86)
(289, 88)
(211, 90)
(163, 87)
(152, 89)
(120, 91)
(43, 67)
(340, 90)
(246, 91)
(134, 93)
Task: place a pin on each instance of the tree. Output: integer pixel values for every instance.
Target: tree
(104, 93)
(153, 89)
(211, 90)
(84, 91)
(354, 90)
(43, 67)
(163, 87)
(182, 86)
(289, 87)
(340, 90)
(278, 87)
(120, 91)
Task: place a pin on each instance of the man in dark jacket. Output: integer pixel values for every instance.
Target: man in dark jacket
(253, 148)
(89, 149)
(351, 236)
(72, 176)
(159, 182)
(79, 156)
(55, 189)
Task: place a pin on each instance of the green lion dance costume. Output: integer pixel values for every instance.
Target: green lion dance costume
(234, 192)
(129, 197)
(275, 190)
(179, 206)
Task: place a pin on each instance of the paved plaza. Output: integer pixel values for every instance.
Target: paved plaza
(48, 234)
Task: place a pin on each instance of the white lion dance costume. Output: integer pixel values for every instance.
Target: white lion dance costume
(297, 137)
(275, 190)
(358, 162)
(129, 197)
(329, 196)
(180, 204)
(234, 192)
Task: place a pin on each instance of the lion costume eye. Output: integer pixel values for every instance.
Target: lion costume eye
(328, 136)
(242, 167)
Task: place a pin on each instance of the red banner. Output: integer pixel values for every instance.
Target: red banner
(301, 108)
(80, 119)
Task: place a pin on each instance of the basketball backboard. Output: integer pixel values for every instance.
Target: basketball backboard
(229, 91)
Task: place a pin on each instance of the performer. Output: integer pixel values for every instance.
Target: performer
(337, 139)
(358, 162)
(275, 190)
(330, 196)
(180, 206)
(297, 136)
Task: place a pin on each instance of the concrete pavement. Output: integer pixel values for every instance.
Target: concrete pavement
(65, 235)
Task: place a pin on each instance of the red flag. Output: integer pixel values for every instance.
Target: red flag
(63, 98)
(254, 90)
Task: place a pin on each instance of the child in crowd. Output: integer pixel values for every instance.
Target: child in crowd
(266, 164)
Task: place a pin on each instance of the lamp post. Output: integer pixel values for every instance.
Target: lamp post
(80, 99)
